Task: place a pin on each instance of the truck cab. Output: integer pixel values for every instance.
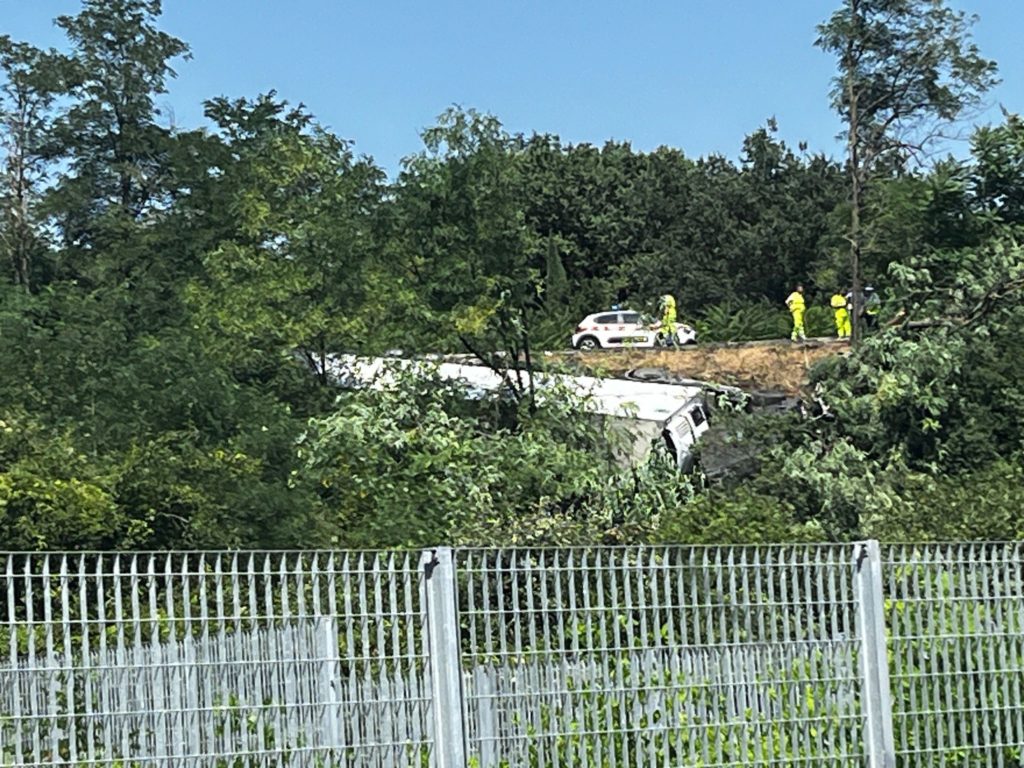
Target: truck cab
(682, 430)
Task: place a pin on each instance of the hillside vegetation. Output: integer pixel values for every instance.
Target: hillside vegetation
(172, 296)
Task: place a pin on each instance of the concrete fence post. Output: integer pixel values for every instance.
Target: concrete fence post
(876, 698)
(444, 657)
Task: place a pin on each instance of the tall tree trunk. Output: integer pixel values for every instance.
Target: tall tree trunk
(19, 236)
(855, 181)
(23, 233)
(528, 360)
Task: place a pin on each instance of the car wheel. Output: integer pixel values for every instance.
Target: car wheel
(588, 343)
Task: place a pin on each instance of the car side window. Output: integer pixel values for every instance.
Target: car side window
(607, 319)
(697, 416)
(631, 317)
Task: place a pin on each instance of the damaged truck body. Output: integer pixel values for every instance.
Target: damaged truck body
(649, 416)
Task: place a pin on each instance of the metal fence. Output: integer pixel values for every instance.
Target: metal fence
(956, 637)
(781, 656)
(660, 657)
(298, 659)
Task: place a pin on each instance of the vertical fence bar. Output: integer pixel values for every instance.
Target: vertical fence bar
(13, 660)
(444, 657)
(874, 666)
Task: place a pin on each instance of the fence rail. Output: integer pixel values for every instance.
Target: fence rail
(611, 657)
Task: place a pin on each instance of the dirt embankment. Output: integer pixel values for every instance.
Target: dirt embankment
(775, 365)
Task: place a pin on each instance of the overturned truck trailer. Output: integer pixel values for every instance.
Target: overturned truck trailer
(650, 416)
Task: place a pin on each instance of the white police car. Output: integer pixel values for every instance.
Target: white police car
(625, 328)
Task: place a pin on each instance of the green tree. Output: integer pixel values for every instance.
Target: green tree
(907, 68)
(929, 401)
(465, 246)
(575, 195)
(415, 463)
(982, 505)
(32, 81)
(183, 452)
(932, 396)
(782, 212)
(999, 178)
(109, 137)
(688, 211)
(288, 272)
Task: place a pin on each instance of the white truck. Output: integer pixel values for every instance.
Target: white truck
(651, 416)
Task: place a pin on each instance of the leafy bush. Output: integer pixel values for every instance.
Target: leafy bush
(742, 322)
(981, 505)
(757, 321)
(740, 517)
(410, 466)
(819, 321)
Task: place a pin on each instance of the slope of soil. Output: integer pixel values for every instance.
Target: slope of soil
(775, 365)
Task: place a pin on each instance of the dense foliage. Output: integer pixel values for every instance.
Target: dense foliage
(174, 296)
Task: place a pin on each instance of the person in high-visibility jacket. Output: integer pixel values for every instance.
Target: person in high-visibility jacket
(796, 305)
(872, 306)
(667, 326)
(838, 304)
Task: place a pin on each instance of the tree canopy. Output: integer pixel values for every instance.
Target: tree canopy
(174, 297)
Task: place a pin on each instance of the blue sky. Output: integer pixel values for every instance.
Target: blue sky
(694, 74)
